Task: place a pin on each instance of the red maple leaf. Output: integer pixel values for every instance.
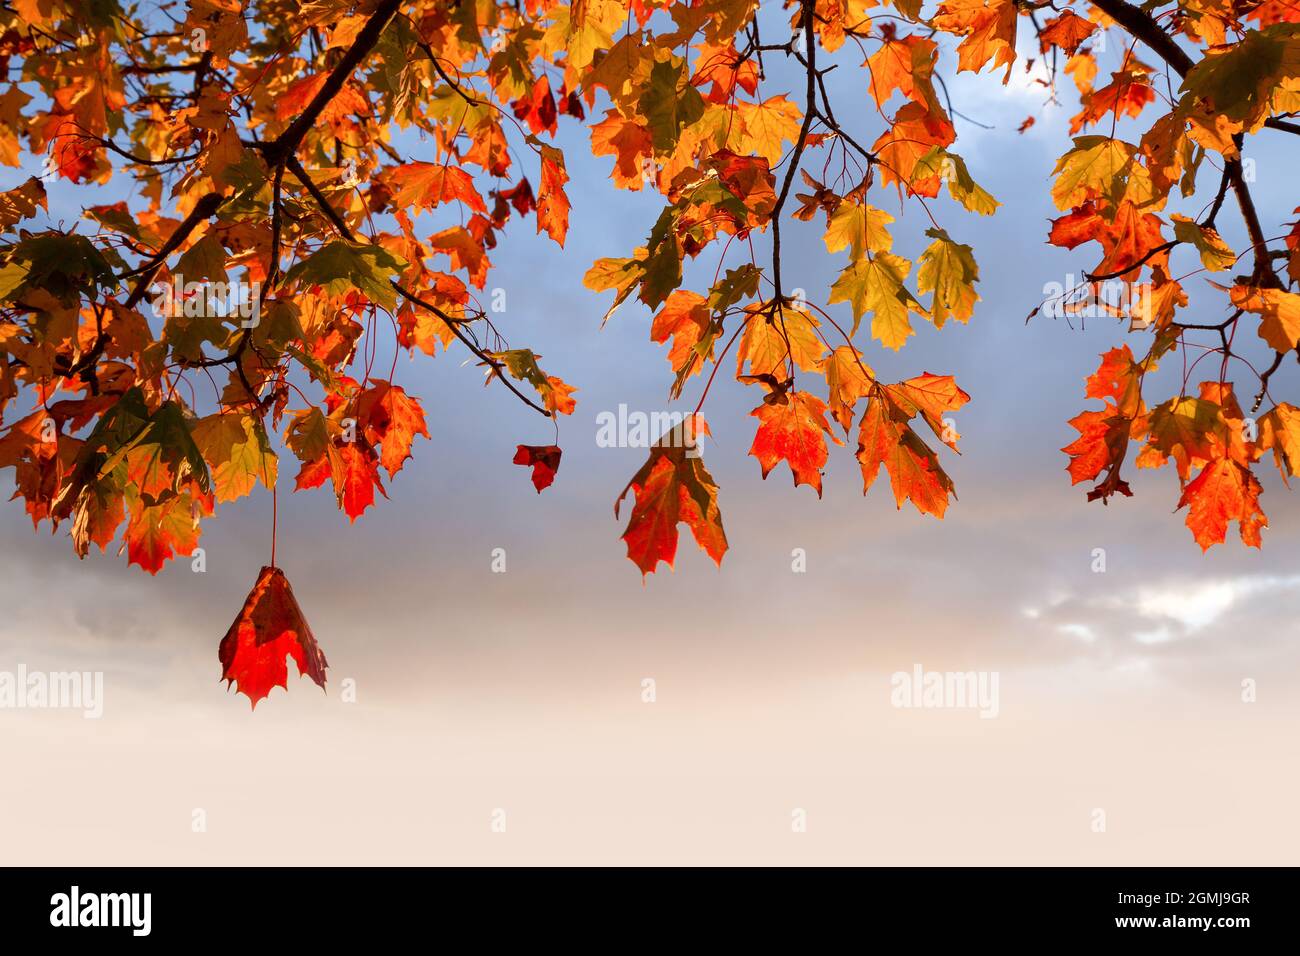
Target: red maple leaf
(545, 460)
(269, 627)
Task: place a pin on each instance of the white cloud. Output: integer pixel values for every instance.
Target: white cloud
(1169, 612)
(1082, 631)
(1197, 605)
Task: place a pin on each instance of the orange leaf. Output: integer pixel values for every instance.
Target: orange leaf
(1224, 491)
(988, 28)
(792, 432)
(673, 487)
(537, 109)
(885, 437)
(391, 419)
(630, 141)
(465, 253)
(722, 66)
(684, 318)
(425, 185)
(357, 478)
(353, 467)
(904, 64)
(158, 532)
(552, 203)
(1067, 32)
(1127, 94)
(912, 134)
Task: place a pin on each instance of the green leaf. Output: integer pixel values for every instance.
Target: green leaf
(736, 286)
(308, 434)
(340, 266)
(1238, 81)
(64, 265)
(669, 103)
(206, 259)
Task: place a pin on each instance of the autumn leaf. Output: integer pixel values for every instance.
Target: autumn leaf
(988, 28)
(858, 228)
(1236, 80)
(948, 270)
(237, 451)
(940, 165)
(543, 459)
(537, 107)
(722, 66)
(22, 202)
(905, 64)
(627, 140)
(353, 469)
(552, 202)
(339, 267)
(1067, 32)
(1224, 491)
(1099, 167)
(768, 126)
(269, 629)
(668, 103)
(1103, 436)
(932, 397)
(1216, 255)
(464, 251)
(875, 284)
(687, 320)
(320, 196)
(1126, 95)
(912, 136)
(1279, 313)
(886, 438)
(848, 378)
(157, 532)
(673, 487)
(427, 185)
(1189, 430)
(1129, 237)
(522, 364)
(390, 418)
(1279, 429)
(793, 431)
(774, 337)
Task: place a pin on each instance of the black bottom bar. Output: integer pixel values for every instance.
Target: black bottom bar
(1221, 907)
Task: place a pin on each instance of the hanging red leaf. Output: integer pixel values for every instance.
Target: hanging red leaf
(269, 628)
(545, 460)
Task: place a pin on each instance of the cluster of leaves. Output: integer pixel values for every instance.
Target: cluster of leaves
(689, 118)
(266, 147)
(1113, 192)
(269, 132)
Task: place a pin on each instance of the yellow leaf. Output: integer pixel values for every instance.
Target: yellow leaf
(859, 229)
(876, 285)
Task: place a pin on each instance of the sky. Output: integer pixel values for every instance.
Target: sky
(503, 717)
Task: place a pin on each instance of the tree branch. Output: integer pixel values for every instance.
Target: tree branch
(1144, 27)
(284, 144)
(453, 323)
